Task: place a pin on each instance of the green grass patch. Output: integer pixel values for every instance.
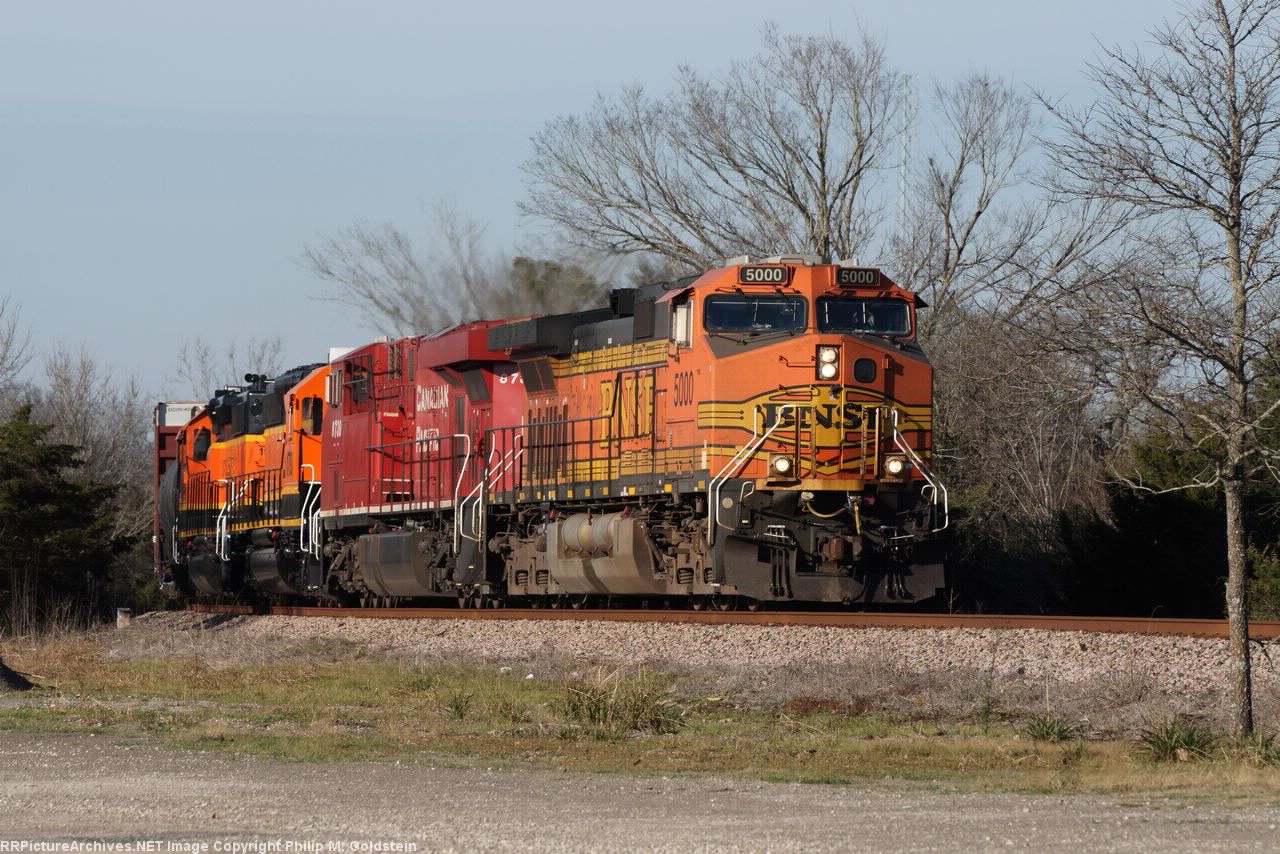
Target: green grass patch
(623, 720)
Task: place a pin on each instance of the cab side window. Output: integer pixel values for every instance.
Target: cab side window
(200, 448)
(682, 323)
(312, 416)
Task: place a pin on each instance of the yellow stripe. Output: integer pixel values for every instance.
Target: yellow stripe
(610, 359)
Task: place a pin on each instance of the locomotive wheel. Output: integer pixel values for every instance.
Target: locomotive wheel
(697, 603)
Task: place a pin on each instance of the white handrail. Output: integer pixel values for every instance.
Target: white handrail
(736, 462)
(221, 531)
(460, 511)
(478, 491)
(462, 472)
(504, 465)
(308, 541)
(935, 485)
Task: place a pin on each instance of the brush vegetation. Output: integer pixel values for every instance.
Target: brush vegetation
(340, 708)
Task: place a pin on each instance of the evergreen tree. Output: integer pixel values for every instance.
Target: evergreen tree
(55, 541)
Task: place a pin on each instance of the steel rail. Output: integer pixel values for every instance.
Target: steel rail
(1258, 629)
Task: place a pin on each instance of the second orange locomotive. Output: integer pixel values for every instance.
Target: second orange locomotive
(760, 433)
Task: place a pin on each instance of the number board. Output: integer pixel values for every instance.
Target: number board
(760, 275)
(852, 277)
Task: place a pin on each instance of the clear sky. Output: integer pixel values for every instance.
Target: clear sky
(163, 163)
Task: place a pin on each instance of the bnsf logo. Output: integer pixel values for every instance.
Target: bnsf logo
(830, 416)
(763, 275)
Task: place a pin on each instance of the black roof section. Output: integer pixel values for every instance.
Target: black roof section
(555, 334)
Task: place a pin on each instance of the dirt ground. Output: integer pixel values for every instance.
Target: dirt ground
(78, 787)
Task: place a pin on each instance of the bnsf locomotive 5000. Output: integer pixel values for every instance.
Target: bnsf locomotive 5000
(758, 434)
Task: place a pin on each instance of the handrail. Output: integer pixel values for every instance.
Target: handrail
(476, 492)
(222, 534)
(308, 542)
(935, 485)
(457, 486)
(505, 462)
(736, 462)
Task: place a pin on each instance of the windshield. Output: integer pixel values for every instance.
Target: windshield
(877, 316)
(754, 314)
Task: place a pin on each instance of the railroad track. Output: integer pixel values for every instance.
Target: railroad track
(1258, 629)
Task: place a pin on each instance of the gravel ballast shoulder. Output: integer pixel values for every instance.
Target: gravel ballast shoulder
(1096, 672)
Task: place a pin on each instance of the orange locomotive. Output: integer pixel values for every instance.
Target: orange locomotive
(760, 433)
(234, 508)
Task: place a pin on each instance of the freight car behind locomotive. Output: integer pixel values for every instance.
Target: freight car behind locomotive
(761, 433)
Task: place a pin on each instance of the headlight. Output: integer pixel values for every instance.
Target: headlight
(781, 465)
(828, 370)
(829, 354)
(895, 466)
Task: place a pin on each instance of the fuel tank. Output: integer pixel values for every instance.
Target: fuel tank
(602, 554)
(394, 564)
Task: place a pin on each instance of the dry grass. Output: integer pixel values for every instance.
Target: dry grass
(329, 703)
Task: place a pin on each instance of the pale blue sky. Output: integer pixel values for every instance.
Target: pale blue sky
(163, 164)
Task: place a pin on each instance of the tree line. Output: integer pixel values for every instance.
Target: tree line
(75, 496)
(76, 475)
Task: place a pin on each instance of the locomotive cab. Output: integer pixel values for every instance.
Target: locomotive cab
(816, 401)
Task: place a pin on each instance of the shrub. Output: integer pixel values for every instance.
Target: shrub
(511, 709)
(1177, 739)
(1263, 749)
(457, 704)
(1049, 727)
(615, 704)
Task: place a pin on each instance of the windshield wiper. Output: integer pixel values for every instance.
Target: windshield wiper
(788, 332)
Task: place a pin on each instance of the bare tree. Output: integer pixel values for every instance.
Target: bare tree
(774, 157)
(378, 270)
(405, 290)
(980, 234)
(980, 242)
(1016, 432)
(108, 419)
(200, 369)
(15, 344)
(1190, 137)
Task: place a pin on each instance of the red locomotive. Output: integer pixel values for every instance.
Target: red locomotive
(757, 434)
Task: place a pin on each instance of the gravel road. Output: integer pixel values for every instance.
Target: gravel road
(79, 787)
